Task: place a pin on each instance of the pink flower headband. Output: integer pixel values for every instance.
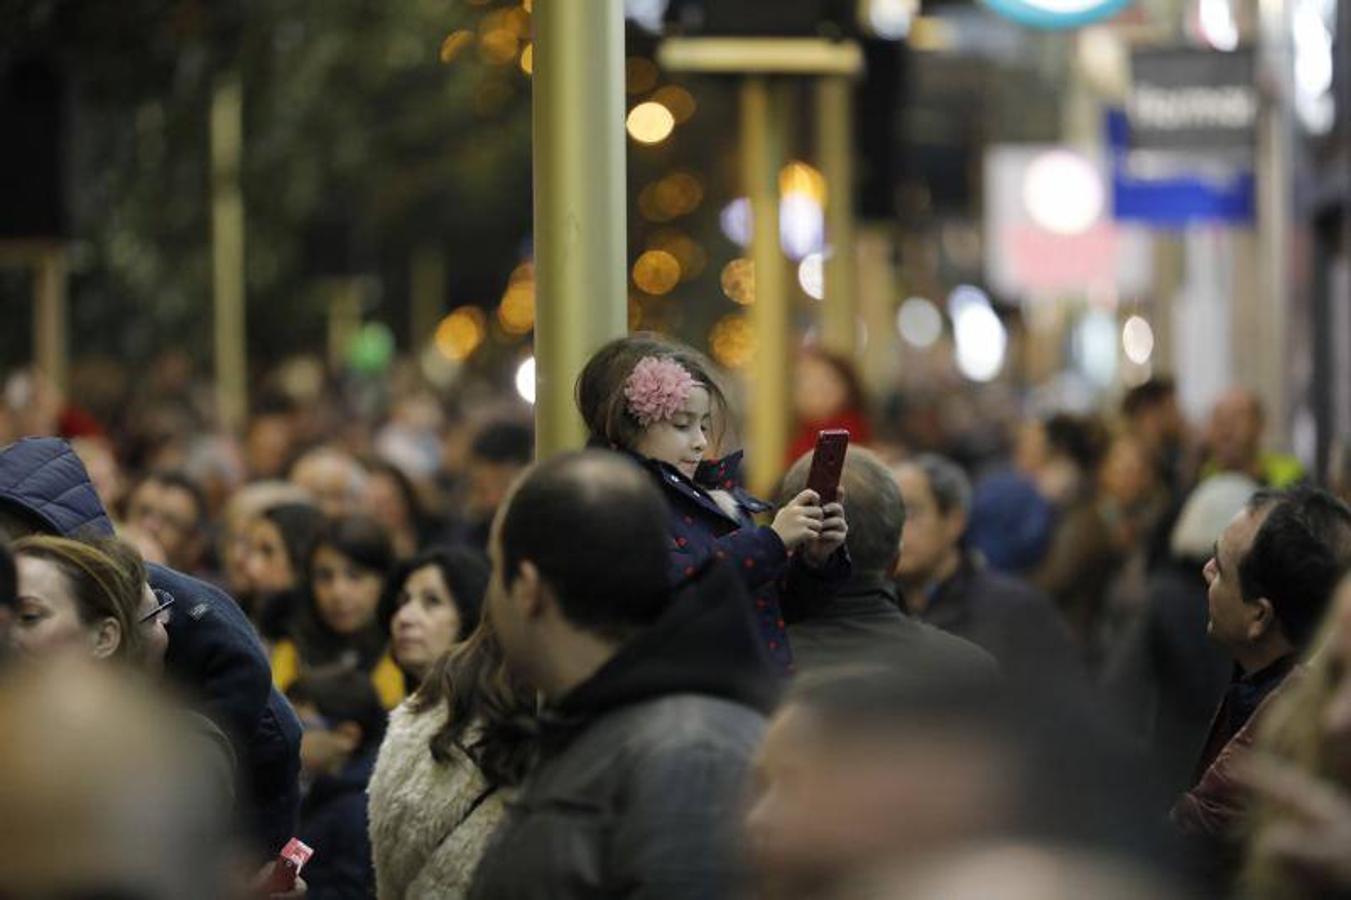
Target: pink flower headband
(657, 389)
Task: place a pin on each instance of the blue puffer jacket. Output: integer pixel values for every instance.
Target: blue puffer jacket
(214, 654)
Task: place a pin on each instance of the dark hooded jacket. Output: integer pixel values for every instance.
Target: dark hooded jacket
(214, 655)
(644, 763)
(333, 821)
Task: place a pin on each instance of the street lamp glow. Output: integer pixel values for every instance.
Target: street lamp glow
(525, 380)
(981, 340)
(1063, 192)
(1137, 339)
(919, 322)
(811, 275)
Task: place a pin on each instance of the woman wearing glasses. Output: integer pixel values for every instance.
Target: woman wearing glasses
(89, 597)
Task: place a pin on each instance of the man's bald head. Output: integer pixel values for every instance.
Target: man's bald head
(595, 526)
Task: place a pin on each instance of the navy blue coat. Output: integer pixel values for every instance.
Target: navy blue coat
(333, 821)
(214, 655)
(782, 587)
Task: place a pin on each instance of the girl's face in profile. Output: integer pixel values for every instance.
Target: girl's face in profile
(681, 440)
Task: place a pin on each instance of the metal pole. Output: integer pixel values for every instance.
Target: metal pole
(761, 159)
(580, 221)
(1275, 182)
(49, 324)
(227, 251)
(835, 124)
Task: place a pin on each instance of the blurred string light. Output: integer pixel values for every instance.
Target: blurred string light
(800, 178)
(459, 334)
(455, 44)
(889, 20)
(735, 221)
(647, 14)
(1063, 192)
(731, 341)
(678, 100)
(1094, 343)
(516, 312)
(980, 336)
(1215, 21)
(656, 272)
(525, 379)
(670, 197)
(528, 59)
(1137, 339)
(640, 74)
(802, 196)
(498, 46)
(738, 281)
(811, 275)
(650, 123)
(687, 251)
(919, 322)
(1313, 23)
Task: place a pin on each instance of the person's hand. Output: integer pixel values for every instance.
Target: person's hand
(834, 529)
(1313, 834)
(799, 520)
(260, 882)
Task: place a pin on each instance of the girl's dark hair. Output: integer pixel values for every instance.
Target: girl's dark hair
(106, 578)
(490, 715)
(465, 572)
(600, 387)
(299, 525)
(342, 695)
(364, 542)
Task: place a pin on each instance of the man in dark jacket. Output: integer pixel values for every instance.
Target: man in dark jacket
(950, 589)
(655, 702)
(214, 655)
(864, 620)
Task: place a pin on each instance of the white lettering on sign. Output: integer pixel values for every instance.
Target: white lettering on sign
(1184, 109)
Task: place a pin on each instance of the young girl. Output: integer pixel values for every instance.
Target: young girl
(658, 400)
(335, 625)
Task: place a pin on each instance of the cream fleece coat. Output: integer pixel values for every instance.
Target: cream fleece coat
(429, 822)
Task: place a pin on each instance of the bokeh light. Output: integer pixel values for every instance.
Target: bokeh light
(459, 334)
(678, 100)
(656, 272)
(731, 341)
(798, 177)
(981, 338)
(811, 275)
(802, 225)
(525, 379)
(738, 281)
(1095, 343)
(677, 194)
(650, 123)
(919, 322)
(498, 46)
(455, 44)
(687, 251)
(735, 221)
(1063, 192)
(1137, 339)
(889, 19)
(528, 59)
(640, 74)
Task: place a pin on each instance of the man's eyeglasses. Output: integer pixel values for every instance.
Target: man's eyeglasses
(160, 612)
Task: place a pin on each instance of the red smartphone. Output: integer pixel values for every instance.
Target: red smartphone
(828, 464)
(289, 863)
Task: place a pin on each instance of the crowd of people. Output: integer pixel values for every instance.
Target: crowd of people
(1112, 666)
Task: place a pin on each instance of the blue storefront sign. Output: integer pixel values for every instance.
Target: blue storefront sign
(1052, 14)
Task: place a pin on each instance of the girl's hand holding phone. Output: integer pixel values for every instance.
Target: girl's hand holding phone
(831, 537)
(799, 521)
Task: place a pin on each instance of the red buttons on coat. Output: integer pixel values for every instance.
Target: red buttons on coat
(680, 542)
(689, 570)
(748, 563)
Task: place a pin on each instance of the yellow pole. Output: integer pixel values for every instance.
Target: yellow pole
(580, 222)
(839, 309)
(49, 325)
(227, 251)
(761, 159)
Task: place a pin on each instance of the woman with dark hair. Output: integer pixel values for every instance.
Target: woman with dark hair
(452, 756)
(431, 603)
(335, 623)
(279, 542)
(394, 503)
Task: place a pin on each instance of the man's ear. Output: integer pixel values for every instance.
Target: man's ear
(532, 595)
(1263, 619)
(107, 637)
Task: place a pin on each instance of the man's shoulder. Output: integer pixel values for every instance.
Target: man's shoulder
(682, 720)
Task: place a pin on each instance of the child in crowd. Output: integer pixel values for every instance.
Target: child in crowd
(344, 725)
(659, 401)
(335, 624)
